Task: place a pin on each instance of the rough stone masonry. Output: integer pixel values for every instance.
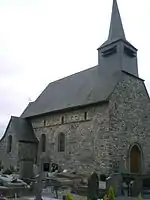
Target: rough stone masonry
(94, 120)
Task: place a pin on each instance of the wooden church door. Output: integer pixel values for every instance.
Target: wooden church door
(135, 159)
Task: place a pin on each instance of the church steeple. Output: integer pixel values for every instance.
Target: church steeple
(116, 28)
(117, 53)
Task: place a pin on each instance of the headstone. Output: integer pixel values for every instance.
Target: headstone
(136, 186)
(26, 169)
(93, 187)
(116, 182)
(35, 170)
(39, 185)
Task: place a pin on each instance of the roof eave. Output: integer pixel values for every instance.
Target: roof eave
(67, 109)
(107, 43)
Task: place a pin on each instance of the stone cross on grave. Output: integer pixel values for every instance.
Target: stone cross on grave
(39, 185)
(93, 187)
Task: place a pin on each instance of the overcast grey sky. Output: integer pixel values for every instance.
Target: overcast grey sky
(44, 40)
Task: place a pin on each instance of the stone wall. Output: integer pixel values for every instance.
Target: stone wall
(97, 137)
(86, 137)
(130, 122)
(9, 158)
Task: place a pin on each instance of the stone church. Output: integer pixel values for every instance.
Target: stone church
(97, 119)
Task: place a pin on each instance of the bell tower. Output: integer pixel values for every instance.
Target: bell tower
(117, 53)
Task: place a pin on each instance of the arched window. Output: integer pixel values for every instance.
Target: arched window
(62, 119)
(85, 116)
(43, 142)
(9, 144)
(61, 142)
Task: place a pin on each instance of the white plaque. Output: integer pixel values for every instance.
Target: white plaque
(102, 185)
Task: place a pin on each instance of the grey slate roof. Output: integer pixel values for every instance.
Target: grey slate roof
(23, 129)
(86, 87)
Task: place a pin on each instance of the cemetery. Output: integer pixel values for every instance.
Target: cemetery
(59, 184)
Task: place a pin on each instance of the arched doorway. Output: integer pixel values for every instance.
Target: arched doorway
(135, 159)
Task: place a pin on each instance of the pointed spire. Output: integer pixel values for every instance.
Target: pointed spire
(116, 28)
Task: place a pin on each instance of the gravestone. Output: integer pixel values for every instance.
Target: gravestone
(136, 187)
(39, 185)
(93, 187)
(26, 169)
(116, 182)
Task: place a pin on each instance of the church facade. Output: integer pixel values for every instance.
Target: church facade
(94, 120)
